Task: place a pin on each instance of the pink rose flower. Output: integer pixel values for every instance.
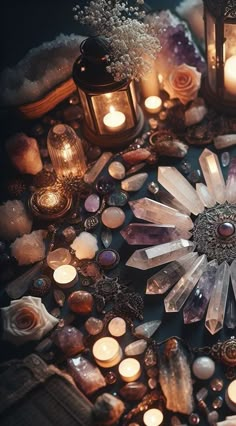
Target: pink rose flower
(183, 83)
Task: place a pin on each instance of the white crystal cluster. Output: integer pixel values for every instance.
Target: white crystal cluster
(40, 70)
(14, 220)
(30, 248)
(85, 246)
(132, 43)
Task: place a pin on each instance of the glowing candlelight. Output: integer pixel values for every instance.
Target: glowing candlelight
(232, 392)
(230, 75)
(107, 352)
(153, 104)
(65, 276)
(129, 369)
(114, 120)
(153, 417)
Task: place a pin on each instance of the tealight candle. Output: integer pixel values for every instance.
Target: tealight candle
(107, 352)
(114, 120)
(153, 104)
(230, 75)
(65, 276)
(230, 396)
(129, 369)
(153, 417)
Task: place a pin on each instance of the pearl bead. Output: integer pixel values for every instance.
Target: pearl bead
(226, 229)
(203, 367)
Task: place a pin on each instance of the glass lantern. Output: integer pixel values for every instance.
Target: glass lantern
(112, 116)
(66, 151)
(220, 39)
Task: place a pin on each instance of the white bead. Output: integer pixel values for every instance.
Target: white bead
(203, 367)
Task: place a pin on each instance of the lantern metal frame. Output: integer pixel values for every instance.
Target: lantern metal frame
(93, 82)
(222, 13)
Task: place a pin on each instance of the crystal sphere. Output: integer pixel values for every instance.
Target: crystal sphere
(203, 367)
(226, 229)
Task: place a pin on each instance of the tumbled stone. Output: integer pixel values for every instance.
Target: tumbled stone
(113, 217)
(69, 234)
(69, 340)
(134, 183)
(133, 391)
(93, 326)
(108, 409)
(136, 348)
(116, 170)
(108, 258)
(58, 257)
(92, 203)
(117, 198)
(80, 302)
(105, 185)
(136, 156)
(117, 327)
(110, 378)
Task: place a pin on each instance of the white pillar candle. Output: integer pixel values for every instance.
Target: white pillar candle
(153, 104)
(114, 121)
(107, 352)
(153, 417)
(129, 369)
(230, 75)
(65, 276)
(149, 86)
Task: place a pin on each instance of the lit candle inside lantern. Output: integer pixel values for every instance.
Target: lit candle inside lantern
(230, 75)
(114, 120)
(153, 417)
(153, 104)
(65, 276)
(107, 352)
(129, 369)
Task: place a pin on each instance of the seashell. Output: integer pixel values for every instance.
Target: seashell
(136, 156)
(224, 141)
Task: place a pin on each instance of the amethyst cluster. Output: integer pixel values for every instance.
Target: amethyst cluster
(177, 45)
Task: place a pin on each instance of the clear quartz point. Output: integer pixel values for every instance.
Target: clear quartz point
(150, 234)
(216, 309)
(179, 294)
(233, 276)
(174, 182)
(231, 182)
(168, 276)
(230, 318)
(160, 254)
(198, 300)
(213, 175)
(92, 174)
(152, 211)
(205, 196)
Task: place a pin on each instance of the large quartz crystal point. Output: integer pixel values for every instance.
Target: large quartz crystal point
(16, 288)
(179, 294)
(158, 255)
(197, 303)
(158, 213)
(166, 198)
(233, 276)
(231, 182)
(213, 175)
(205, 196)
(174, 182)
(168, 276)
(148, 234)
(175, 378)
(216, 309)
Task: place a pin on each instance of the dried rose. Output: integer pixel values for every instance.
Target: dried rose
(183, 83)
(26, 319)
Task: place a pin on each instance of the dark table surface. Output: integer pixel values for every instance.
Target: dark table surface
(27, 24)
